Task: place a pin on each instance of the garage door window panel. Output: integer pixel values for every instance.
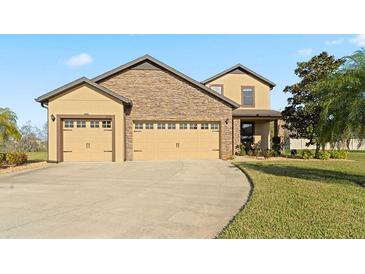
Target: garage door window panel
(214, 126)
(69, 124)
(193, 126)
(149, 125)
(138, 126)
(161, 126)
(107, 124)
(204, 126)
(171, 126)
(81, 124)
(94, 124)
(183, 126)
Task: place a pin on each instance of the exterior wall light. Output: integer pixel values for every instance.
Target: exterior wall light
(53, 117)
(226, 121)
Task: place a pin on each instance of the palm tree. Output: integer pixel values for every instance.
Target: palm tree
(343, 101)
(8, 128)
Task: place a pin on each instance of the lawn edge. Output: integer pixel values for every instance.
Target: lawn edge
(26, 169)
(248, 199)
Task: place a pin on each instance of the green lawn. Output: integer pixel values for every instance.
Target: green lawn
(303, 199)
(37, 156)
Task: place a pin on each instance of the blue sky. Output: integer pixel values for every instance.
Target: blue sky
(31, 65)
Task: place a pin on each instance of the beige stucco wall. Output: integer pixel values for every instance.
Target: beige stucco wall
(262, 131)
(232, 83)
(80, 101)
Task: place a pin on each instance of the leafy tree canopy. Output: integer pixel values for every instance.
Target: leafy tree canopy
(301, 116)
(8, 128)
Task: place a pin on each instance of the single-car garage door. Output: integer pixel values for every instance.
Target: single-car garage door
(155, 140)
(87, 140)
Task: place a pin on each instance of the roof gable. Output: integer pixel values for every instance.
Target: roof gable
(148, 62)
(237, 69)
(45, 97)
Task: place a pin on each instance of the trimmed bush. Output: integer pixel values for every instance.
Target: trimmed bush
(339, 154)
(307, 154)
(335, 154)
(2, 159)
(242, 150)
(277, 146)
(267, 153)
(324, 155)
(343, 154)
(293, 152)
(15, 158)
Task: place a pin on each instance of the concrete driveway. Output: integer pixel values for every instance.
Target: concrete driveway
(160, 199)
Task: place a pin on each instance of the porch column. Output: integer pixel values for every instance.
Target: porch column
(276, 128)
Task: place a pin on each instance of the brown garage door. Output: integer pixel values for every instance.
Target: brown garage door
(156, 140)
(87, 140)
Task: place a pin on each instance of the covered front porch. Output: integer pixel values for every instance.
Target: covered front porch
(254, 127)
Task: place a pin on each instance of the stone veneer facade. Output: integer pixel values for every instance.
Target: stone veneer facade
(236, 135)
(157, 94)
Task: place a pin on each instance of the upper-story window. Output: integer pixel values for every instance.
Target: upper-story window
(217, 88)
(248, 96)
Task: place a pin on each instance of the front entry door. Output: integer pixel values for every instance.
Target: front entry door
(247, 134)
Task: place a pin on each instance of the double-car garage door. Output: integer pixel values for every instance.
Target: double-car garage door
(159, 140)
(92, 140)
(87, 140)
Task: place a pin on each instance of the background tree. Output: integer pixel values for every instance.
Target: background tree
(33, 139)
(8, 128)
(301, 115)
(343, 101)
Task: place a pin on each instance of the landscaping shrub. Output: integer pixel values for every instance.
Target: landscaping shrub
(275, 153)
(335, 154)
(23, 157)
(242, 150)
(307, 154)
(277, 146)
(343, 154)
(15, 158)
(250, 153)
(293, 152)
(2, 159)
(324, 155)
(256, 149)
(339, 154)
(267, 153)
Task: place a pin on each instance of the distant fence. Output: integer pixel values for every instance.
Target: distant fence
(300, 144)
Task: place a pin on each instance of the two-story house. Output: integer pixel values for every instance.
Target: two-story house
(251, 120)
(147, 110)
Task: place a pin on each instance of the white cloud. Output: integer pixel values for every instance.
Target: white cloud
(305, 52)
(79, 60)
(334, 42)
(358, 40)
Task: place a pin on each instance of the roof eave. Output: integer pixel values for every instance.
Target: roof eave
(43, 99)
(257, 116)
(224, 72)
(168, 68)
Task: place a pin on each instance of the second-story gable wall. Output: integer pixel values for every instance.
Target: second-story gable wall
(233, 82)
